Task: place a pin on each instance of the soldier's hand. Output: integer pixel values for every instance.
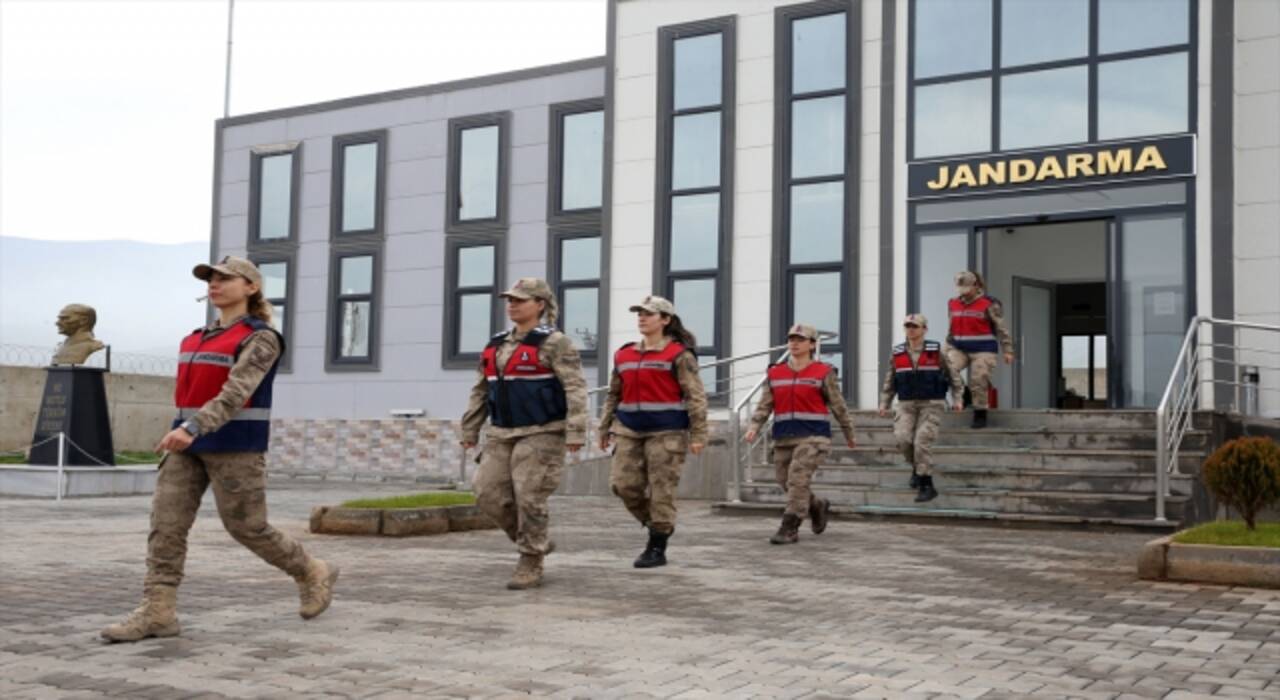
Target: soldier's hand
(175, 440)
(467, 445)
(1008, 358)
(604, 441)
(573, 447)
(884, 412)
(958, 407)
(751, 435)
(851, 443)
(696, 448)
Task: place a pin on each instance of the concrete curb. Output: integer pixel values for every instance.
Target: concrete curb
(1163, 559)
(398, 522)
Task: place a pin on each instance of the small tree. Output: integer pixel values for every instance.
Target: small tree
(1245, 475)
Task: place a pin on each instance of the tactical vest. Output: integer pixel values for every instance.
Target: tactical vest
(651, 396)
(924, 381)
(971, 329)
(525, 392)
(799, 409)
(204, 364)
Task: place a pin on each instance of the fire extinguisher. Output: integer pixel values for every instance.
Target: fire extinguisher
(993, 397)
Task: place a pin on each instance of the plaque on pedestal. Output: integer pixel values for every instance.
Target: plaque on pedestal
(75, 403)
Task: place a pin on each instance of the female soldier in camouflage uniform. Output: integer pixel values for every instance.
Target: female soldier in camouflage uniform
(977, 332)
(530, 387)
(799, 393)
(657, 397)
(219, 439)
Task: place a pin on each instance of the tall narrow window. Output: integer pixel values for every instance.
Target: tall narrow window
(472, 304)
(695, 155)
(276, 289)
(273, 193)
(358, 175)
(578, 289)
(814, 160)
(354, 311)
(581, 160)
(478, 173)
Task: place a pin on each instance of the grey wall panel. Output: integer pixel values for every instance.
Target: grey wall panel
(317, 154)
(233, 232)
(235, 166)
(415, 251)
(529, 202)
(410, 287)
(473, 101)
(334, 399)
(418, 140)
(235, 198)
(315, 189)
(313, 263)
(528, 268)
(529, 126)
(409, 178)
(528, 243)
(415, 214)
(258, 133)
(362, 118)
(311, 291)
(308, 331)
(412, 324)
(529, 163)
(439, 399)
(409, 362)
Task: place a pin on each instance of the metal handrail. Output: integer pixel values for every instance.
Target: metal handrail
(1186, 389)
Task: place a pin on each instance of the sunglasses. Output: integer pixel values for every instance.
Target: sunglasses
(911, 325)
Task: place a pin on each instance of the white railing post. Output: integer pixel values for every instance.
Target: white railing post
(62, 460)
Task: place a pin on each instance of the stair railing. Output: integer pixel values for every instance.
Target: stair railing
(1192, 383)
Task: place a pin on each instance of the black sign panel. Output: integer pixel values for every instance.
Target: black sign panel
(75, 403)
(1120, 161)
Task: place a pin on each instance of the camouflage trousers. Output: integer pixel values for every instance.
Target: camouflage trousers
(795, 465)
(515, 479)
(239, 481)
(915, 427)
(645, 475)
(981, 366)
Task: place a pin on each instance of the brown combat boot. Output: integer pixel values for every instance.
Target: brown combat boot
(315, 589)
(819, 514)
(156, 617)
(528, 573)
(788, 531)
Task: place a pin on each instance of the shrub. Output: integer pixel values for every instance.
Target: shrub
(1245, 475)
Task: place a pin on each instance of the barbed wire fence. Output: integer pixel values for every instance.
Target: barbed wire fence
(117, 362)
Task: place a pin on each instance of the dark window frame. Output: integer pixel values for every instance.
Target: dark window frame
(336, 203)
(664, 278)
(289, 259)
(555, 264)
(371, 362)
(452, 358)
(256, 156)
(784, 271)
(1091, 61)
(555, 164)
(501, 220)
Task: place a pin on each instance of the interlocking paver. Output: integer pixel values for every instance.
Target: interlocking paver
(870, 609)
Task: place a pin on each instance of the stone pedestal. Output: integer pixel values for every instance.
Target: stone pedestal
(75, 403)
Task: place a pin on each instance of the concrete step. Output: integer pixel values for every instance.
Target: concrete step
(1035, 438)
(1012, 479)
(928, 513)
(1058, 503)
(1116, 419)
(1139, 461)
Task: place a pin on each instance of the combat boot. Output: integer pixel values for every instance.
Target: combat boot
(655, 553)
(819, 514)
(315, 588)
(915, 479)
(927, 492)
(979, 418)
(788, 531)
(156, 617)
(528, 573)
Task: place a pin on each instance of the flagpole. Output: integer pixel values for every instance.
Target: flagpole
(226, 95)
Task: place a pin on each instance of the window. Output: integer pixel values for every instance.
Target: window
(273, 198)
(354, 281)
(577, 160)
(816, 171)
(477, 182)
(994, 75)
(577, 287)
(695, 166)
(276, 289)
(574, 213)
(473, 307)
(358, 175)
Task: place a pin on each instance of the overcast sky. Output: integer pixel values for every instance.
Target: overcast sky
(107, 108)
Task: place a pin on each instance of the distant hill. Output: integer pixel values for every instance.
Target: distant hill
(144, 292)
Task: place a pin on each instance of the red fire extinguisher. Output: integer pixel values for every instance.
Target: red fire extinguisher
(993, 397)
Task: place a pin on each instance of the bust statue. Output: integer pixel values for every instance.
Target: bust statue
(76, 321)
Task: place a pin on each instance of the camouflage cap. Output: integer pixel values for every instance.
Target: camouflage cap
(803, 330)
(966, 279)
(655, 305)
(231, 266)
(917, 319)
(529, 288)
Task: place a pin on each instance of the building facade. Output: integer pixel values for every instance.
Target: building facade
(1112, 167)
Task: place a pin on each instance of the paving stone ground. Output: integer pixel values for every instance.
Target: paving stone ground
(869, 609)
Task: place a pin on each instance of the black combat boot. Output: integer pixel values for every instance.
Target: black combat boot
(979, 418)
(927, 492)
(788, 531)
(915, 479)
(967, 397)
(819, 514)
(655, 553)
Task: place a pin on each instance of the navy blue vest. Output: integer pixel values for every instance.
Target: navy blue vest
(525, 392)
(923, 382)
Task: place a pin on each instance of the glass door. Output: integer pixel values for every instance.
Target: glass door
(1034, 372)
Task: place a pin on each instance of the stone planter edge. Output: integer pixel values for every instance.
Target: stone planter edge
(1162, 559)
(397, 522)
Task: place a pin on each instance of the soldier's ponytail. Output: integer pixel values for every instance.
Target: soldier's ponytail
(551, 310)
(259, 307)
(676, 330)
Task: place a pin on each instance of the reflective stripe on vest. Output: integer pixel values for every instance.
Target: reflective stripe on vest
(971, 330)
(205, 361)
(651, 396)
(924, 381)
(799, 409)
(526, 392)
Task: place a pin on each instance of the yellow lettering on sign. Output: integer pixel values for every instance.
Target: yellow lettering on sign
(1079, 164)
(1150, 158)
(1021, 170)
(1114, 162)
(991, 173)
(1050, 168)
(941, 182)
(964, 176)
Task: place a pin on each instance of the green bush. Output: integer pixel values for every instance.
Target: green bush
(1244, 474)
(430, 499)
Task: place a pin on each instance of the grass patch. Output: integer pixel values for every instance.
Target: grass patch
(122, 458)
(416, 500)
(1231, 533)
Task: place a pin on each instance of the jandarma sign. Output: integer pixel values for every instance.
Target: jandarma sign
(1080, 165)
